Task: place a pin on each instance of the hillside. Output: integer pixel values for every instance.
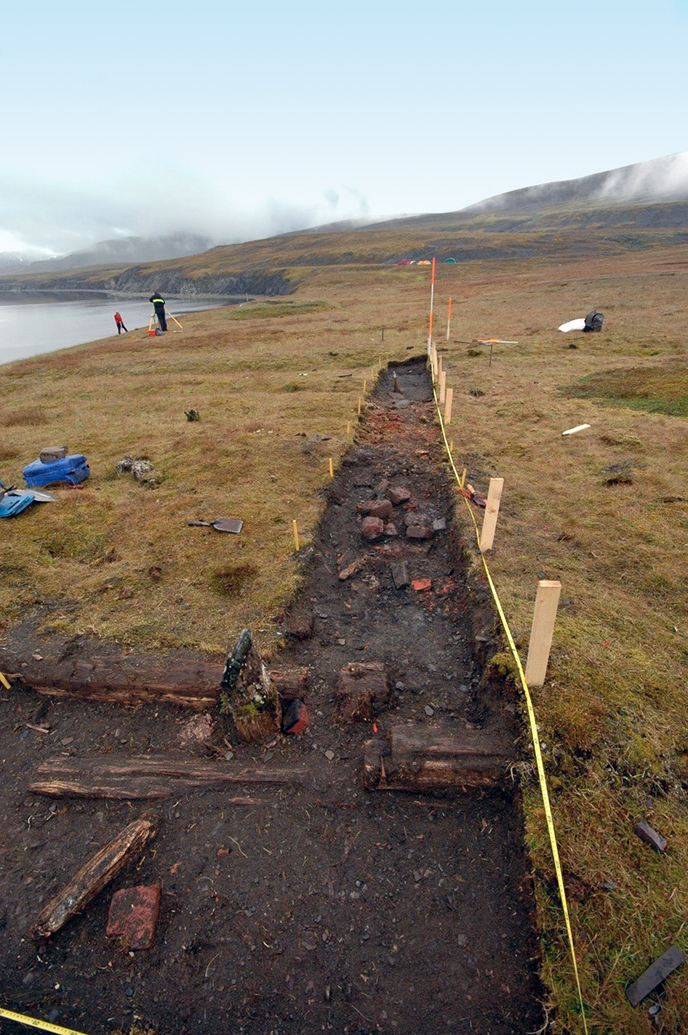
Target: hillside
(276, 265)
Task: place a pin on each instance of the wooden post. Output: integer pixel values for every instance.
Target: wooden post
(545, 614)
(449, 317)
(359, 405)
(296, 535)
(365, 384)
(331, 468)
(348, 427)
(432, 301)
(382, 336)
(443, 386)
(494, 497)
(448, 400)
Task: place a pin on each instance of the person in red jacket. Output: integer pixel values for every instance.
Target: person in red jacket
(120, 324)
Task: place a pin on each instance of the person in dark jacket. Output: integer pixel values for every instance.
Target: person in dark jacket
(159, 306)
(120, 324)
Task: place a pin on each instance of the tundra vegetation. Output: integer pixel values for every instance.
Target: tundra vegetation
(604, 511)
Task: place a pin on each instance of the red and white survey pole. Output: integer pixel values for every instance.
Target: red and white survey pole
(448, 317)
(432, 302)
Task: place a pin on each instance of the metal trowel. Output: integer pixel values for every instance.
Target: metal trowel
(221, 524)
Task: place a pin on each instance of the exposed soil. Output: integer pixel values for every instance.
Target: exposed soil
(323, 907)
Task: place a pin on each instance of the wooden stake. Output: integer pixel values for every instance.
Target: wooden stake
(296, 535)
(449, 317)
(331, 468)
(432, 301)
(448, 400)
(494, 497)
(546, 603)
(360, 403)
(364, 385)
(382, 335)
(348, 427)
(463, 476)
(443, 386)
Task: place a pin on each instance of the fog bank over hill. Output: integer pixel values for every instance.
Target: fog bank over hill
(662, 179)
(120, 251)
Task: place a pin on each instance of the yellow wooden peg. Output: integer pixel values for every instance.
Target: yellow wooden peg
(331, 469)
(296, 536)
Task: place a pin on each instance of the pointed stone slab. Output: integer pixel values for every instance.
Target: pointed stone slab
(655, 974)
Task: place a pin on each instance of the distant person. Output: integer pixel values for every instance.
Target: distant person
(120, 324)
(159, 306)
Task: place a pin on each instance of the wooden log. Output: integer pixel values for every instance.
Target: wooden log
(290, 682)
(130, 679)
(136, 788)
(187, 771)
(92, 878)
(433, 758)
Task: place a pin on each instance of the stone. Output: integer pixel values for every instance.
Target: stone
(133, 916)
(197, 731)
(655, 975)
(421, 584)
(391, 529)
(375, 508)
(329, 755)
(646, 833)
(362, 690)
(398, 494)
(295, 717)
(419, 532)
(400, 574)
(439, 525)
(429, 711)
(372, 527)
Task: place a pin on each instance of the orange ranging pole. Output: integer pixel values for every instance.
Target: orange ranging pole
(449, 317)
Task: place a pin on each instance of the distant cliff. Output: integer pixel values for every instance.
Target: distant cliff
(141, 280)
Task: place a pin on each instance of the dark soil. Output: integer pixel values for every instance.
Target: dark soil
(323, 908)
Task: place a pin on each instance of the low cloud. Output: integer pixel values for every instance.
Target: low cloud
(39, 218)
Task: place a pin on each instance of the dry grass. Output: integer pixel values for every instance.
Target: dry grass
(613, 715)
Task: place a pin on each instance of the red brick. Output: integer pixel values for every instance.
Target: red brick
(376, 508)
(295, 718)
(133, 915)
(419, 532)
(420, 584)
(372, 527)
(397, 494)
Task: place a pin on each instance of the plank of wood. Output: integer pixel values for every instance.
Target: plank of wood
(136, 788)
(92, 878)
(189, 771)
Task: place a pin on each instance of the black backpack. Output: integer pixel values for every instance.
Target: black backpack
(593, 321)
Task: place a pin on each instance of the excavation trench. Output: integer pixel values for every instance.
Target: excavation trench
(321, 906)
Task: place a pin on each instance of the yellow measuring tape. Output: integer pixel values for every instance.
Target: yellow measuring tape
(33, 1023)
(533, 726)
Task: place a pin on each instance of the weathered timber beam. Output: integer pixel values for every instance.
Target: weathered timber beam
(135, 789)
(181, 770)
(433, 758)
(92, 878)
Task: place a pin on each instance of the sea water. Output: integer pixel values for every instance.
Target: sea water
(37, 323)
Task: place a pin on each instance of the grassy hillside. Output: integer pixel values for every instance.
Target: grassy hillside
(604, 511)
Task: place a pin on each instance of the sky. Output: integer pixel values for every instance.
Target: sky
(242, 120)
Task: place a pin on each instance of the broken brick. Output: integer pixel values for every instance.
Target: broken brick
(421, 584)
(133, 915)
(376, 508)
(372, 527)
(295, 717)
(397, 494)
